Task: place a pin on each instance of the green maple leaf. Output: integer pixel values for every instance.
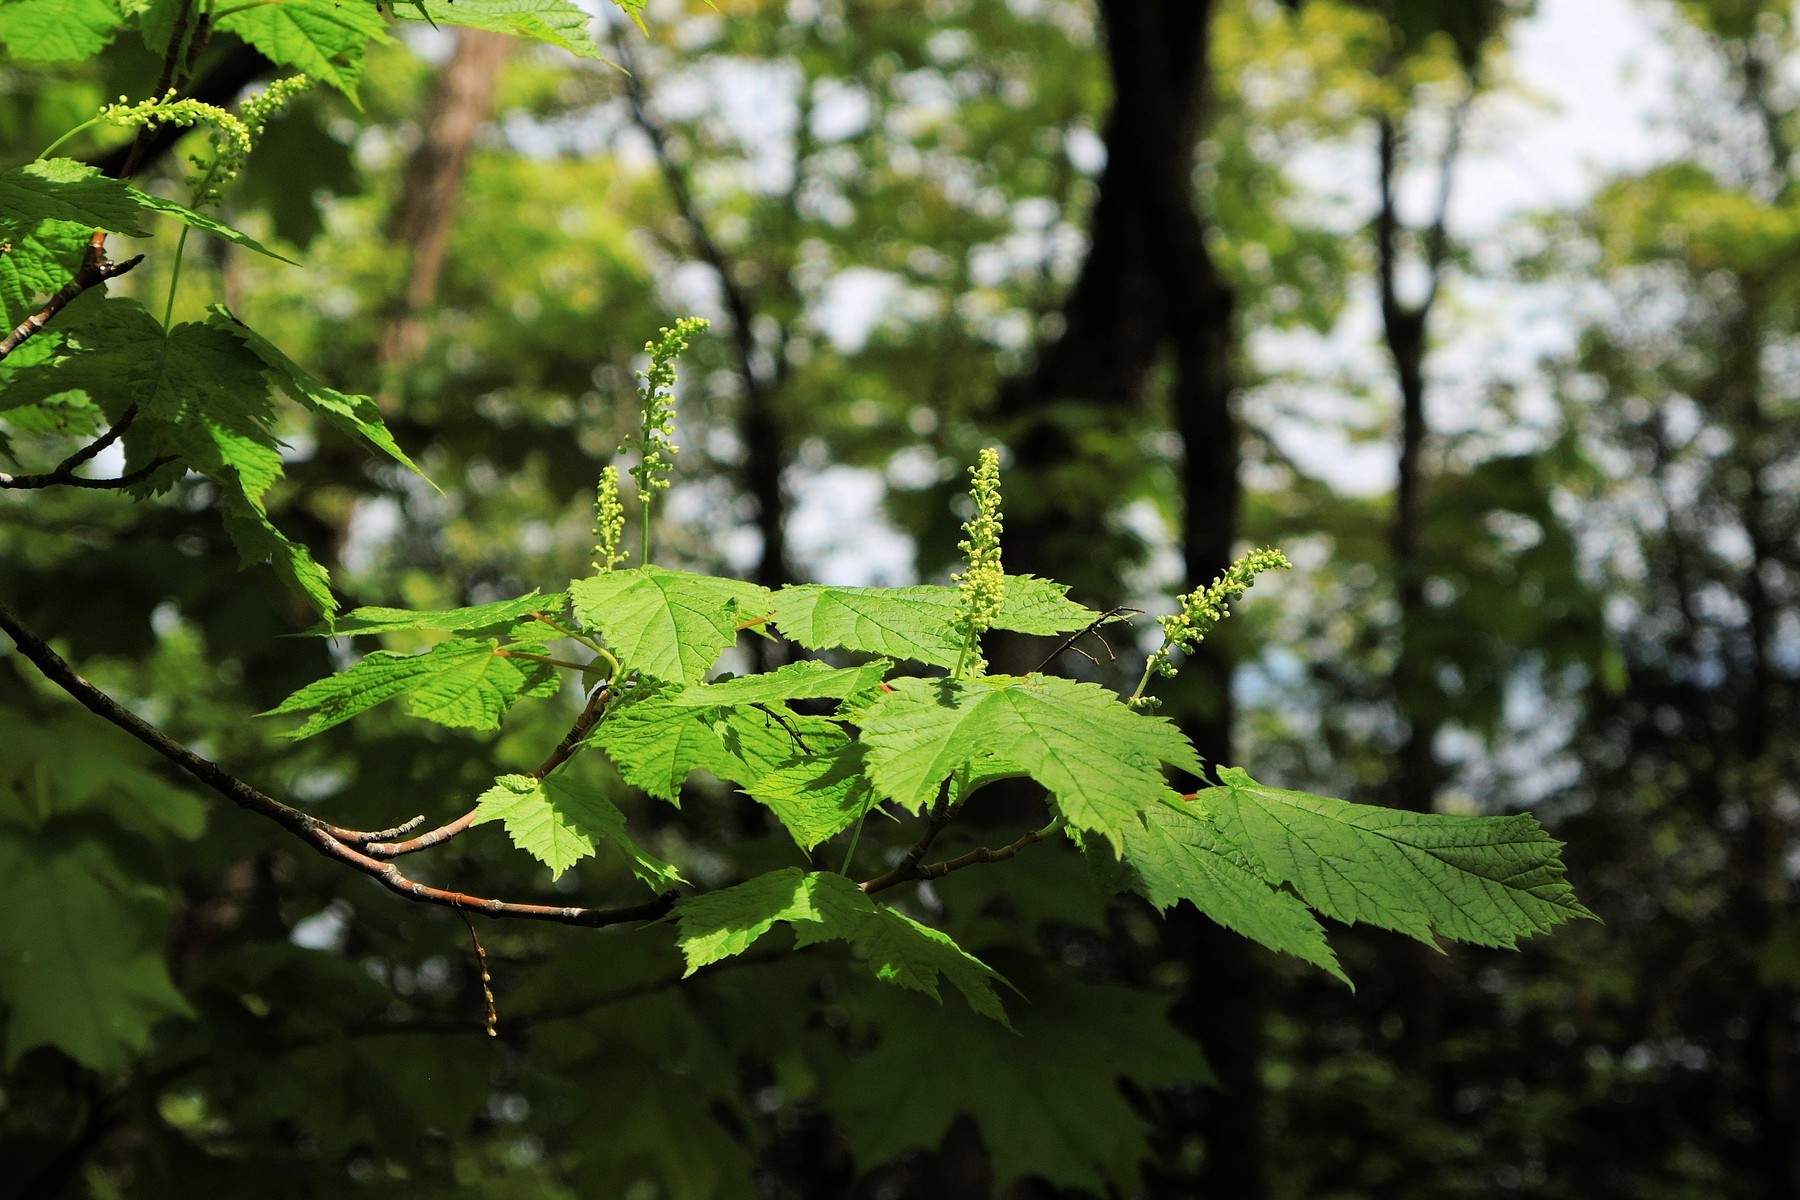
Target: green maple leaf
(1486, 880)
(1100, 760)
(1178, 855)
(202, 398)
(656, 745)
(1042, 607)
(58, 30)
(463, 683)
(202, 393)
(819, 795)
(558, 22)
(199, 220)
(916, 623)
(795, 681)
(559, 820)
(81, 965)
(901, 951)
(36, 264)
(670, 625)
(323, 38)
(62, 189)
(656, 741)
(823, 906)
(1048, 1103)
(258, 541)
(357, 416)
(360, 622)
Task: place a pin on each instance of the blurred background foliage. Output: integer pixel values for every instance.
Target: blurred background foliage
(1184, 258)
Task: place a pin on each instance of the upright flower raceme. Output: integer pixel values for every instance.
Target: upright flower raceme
(609, 522)
(982, 582)
(655, 444)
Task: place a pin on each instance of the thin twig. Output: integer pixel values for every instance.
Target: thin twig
(1092, 627)
(908, 866)
(308, 829)
(357, 837)
(982, 854)
(590, 714)
(95, 269)
(487, 979)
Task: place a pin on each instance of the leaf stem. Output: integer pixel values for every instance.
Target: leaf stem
(573, 634)
(174, 281)
(541, 658)
(53, 147)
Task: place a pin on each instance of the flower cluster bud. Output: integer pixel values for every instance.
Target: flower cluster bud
(655, 445)
(982, 582)
(1202, 610)
(609, 522)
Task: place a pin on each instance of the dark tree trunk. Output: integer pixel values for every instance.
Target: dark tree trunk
(1149, 296)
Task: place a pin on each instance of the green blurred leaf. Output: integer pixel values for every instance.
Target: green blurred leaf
(81, 965)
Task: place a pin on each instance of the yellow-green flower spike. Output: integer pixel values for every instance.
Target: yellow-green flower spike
(981, 585)
(609, 523)
(1202, 610)
(233, 136)
(656, 397)
(654, 444)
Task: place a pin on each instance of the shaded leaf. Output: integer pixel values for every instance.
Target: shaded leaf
(824, 906)
(81, 965)
(463, 683)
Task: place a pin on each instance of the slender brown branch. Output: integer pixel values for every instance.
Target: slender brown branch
(95, 269)
(908, 866)
(487, 978)
(307, 828)
(357, 837)
(590, 713)
(982, 854)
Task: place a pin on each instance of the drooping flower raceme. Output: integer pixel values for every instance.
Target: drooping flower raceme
(233, 135)
(1203, 609)
(982, 582)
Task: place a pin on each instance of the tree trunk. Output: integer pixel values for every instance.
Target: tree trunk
(461, 102)
(1150, 296)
